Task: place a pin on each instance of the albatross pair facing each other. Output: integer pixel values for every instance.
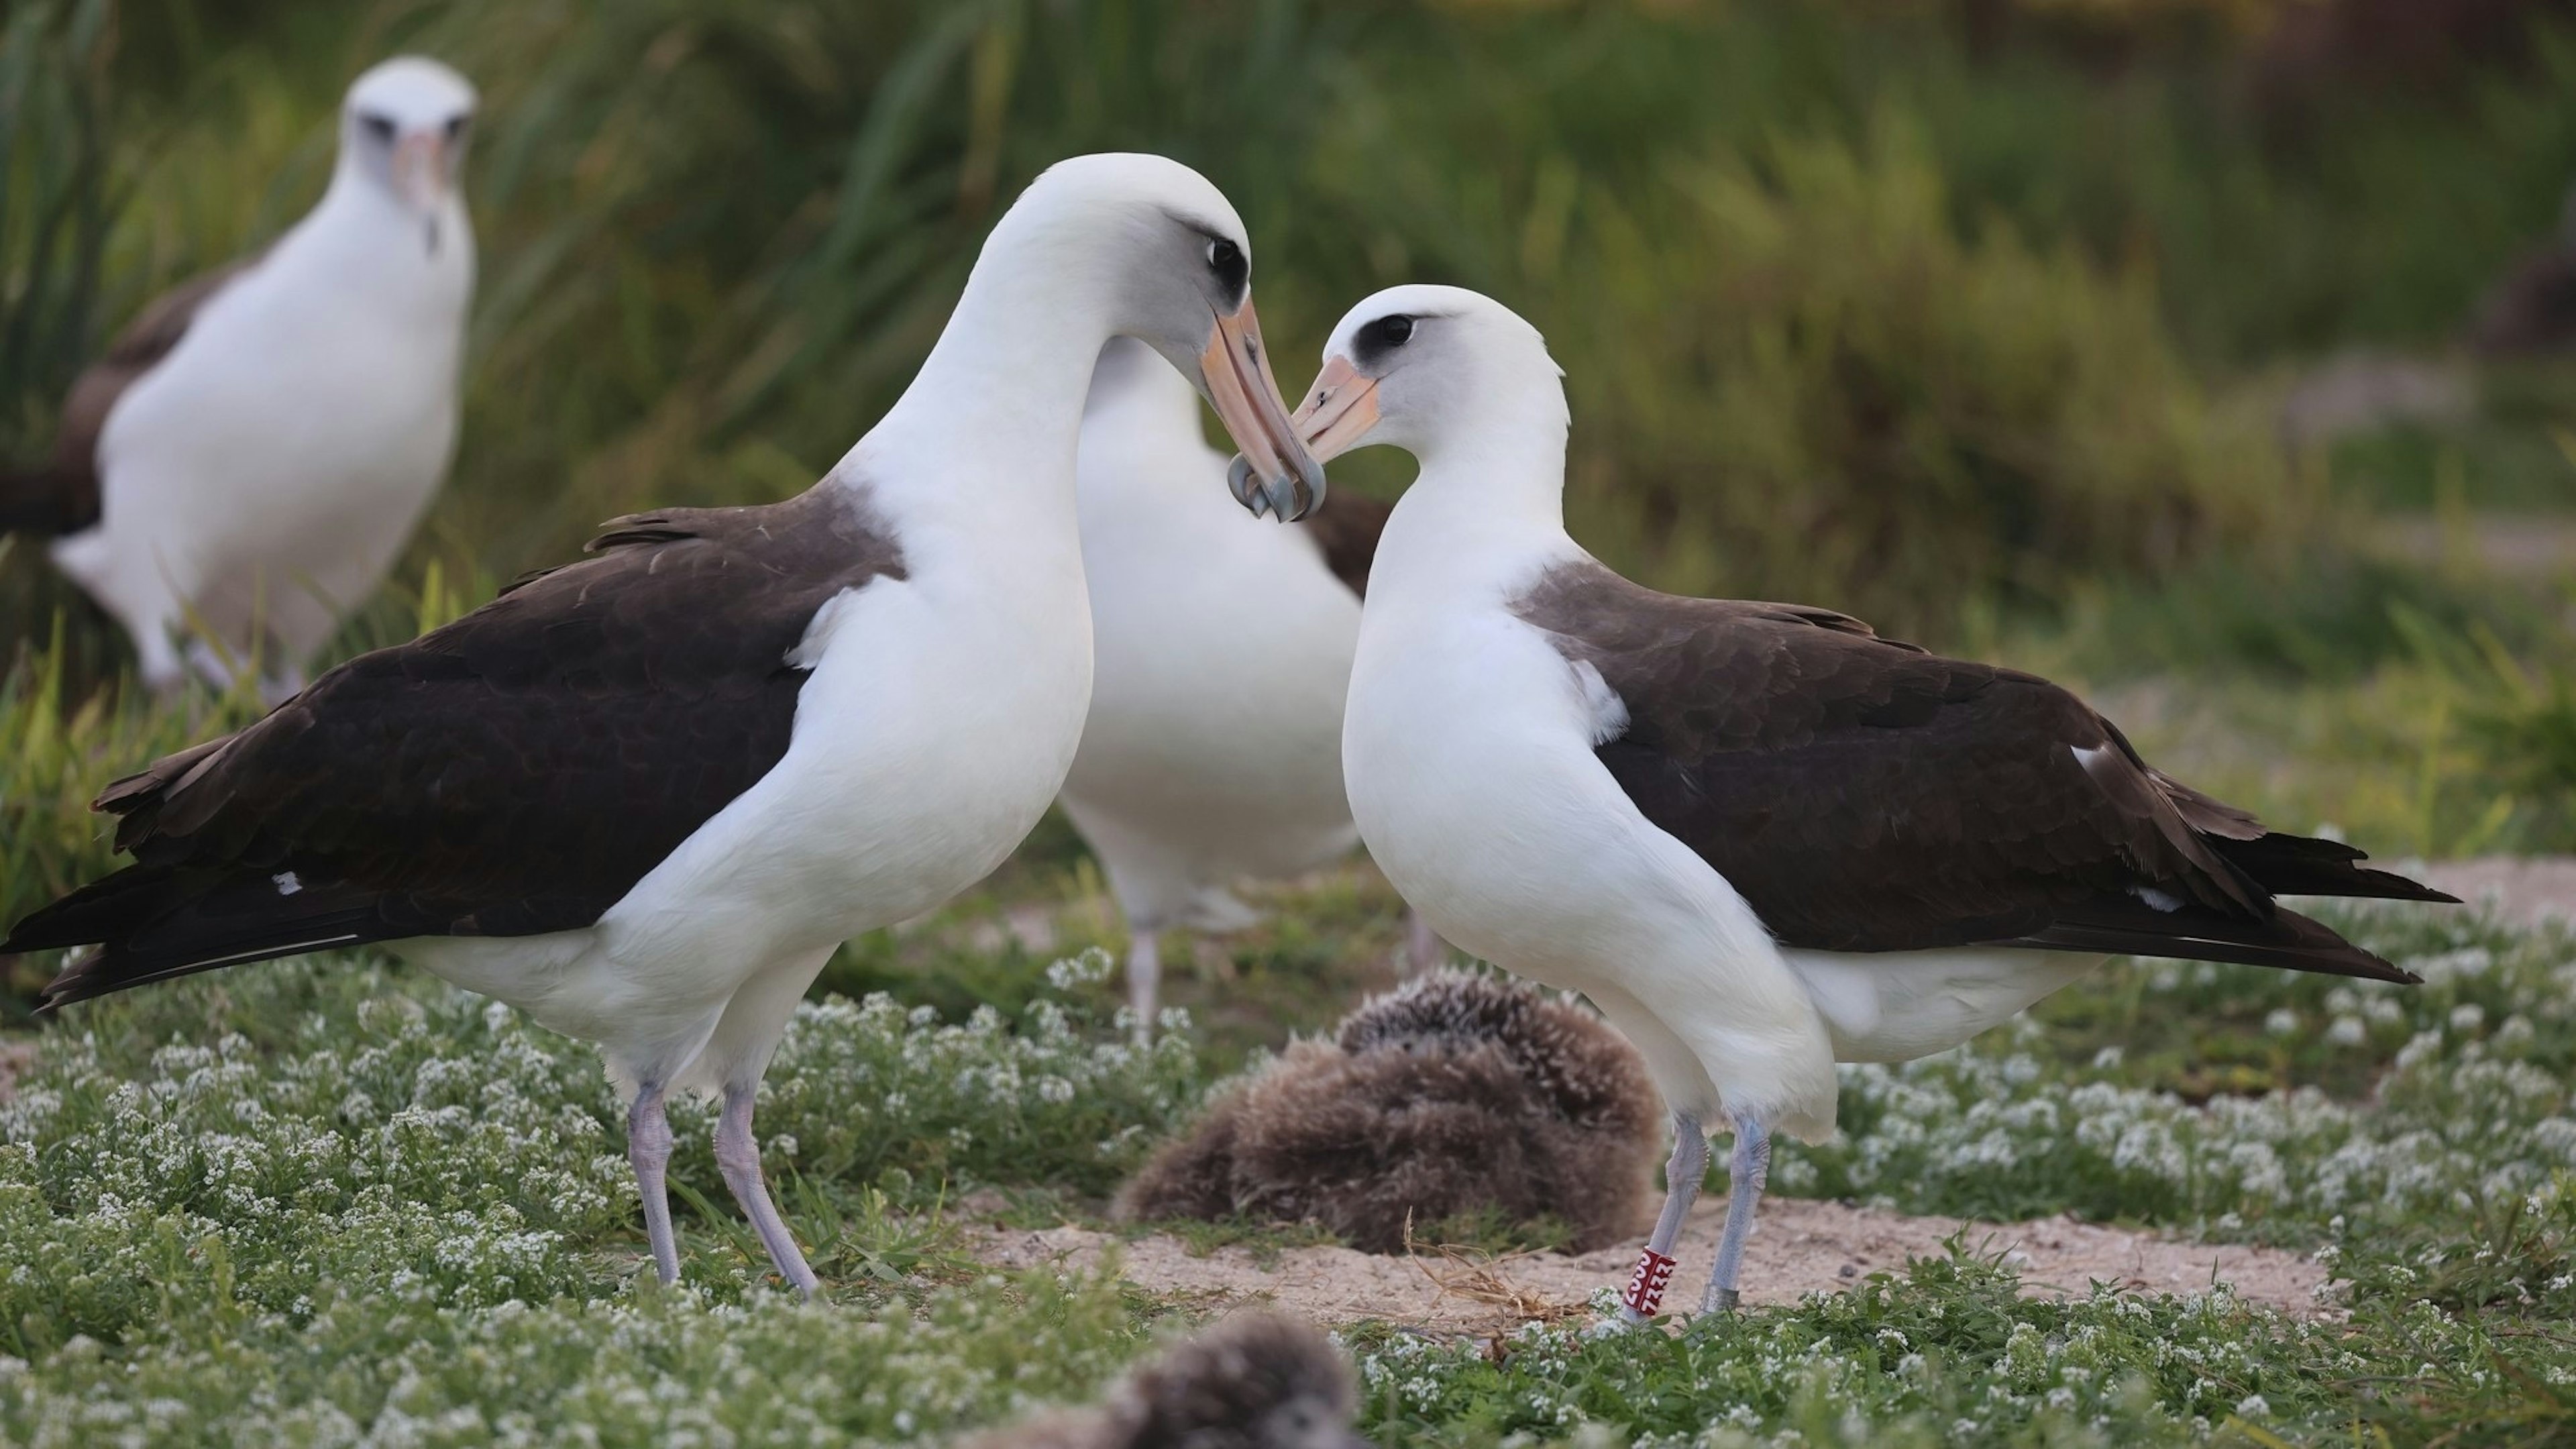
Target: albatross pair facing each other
(256, 447)
(644, 796)
(1758, 837)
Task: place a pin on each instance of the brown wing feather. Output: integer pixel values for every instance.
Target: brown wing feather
(1864, 795)
(514, 772)
(63, 496)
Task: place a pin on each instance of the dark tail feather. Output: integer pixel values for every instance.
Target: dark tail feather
(152, 923)
(33, 500)
(2296, 865)
(2286, 940)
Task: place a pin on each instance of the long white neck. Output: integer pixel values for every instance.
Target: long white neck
(975, 462)
(1488, 507)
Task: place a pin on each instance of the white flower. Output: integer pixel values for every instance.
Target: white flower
(2281, 1022)
(2253, 1406)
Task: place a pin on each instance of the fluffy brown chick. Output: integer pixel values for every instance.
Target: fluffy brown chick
(1255, 1381)
(1456, 1093)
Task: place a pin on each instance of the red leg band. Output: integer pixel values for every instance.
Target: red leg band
(1647, 1284)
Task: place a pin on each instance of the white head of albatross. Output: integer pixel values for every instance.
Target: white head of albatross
(254, 449)
(644, 796)
(403, 131)
(1757, 836)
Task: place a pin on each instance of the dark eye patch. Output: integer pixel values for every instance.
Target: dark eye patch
(1233, 274)
(1380, 337)
(380, 127)
(456, 128)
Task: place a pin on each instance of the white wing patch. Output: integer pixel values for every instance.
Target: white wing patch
(2161, 900)
(819, 630)
(1609, 712)
(286, 882)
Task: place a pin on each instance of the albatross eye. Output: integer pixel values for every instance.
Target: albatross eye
(456, 128)
(1225, 260)
(380, 127)
(1381, 337)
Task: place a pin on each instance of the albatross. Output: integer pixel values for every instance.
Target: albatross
(1203, 762)
(1760, 838)
(643, 796)
(241, 467)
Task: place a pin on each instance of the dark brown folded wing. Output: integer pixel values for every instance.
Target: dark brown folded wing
(1863, 795)
(514, 772)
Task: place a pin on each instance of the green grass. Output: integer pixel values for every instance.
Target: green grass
(304, 1203)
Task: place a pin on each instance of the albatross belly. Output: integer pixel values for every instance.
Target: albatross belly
(1894, 1006)
(1201, 760)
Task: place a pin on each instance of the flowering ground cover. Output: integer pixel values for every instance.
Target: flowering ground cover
(337, 1203)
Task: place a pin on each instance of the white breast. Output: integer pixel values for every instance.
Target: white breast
(1223, 651)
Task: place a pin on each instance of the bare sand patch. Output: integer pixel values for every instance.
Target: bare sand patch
(1799, 1246)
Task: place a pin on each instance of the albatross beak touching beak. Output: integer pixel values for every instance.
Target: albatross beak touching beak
(1338, 412)
(1274, 472)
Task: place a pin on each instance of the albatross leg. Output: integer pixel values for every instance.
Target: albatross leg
(1144, 980)
(648, 1149)
(1746, 1170)
(738, 1157)
(1682, 1174)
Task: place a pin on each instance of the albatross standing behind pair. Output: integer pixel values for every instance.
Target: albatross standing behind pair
(1204, 762)
(644, 796)
(1757, 836)
(256, 447)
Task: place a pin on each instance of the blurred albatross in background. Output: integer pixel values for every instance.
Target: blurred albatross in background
(253, 451)
(1204, 762)
(644, 796)
(1757, 836)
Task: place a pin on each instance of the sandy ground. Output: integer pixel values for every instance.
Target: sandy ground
(1798, 1246)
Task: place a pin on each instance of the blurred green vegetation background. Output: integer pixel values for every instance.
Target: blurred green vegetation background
(1993, 321)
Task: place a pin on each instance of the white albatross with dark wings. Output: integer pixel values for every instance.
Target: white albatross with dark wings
(643, 797)
(1757, 836)
(253, 451)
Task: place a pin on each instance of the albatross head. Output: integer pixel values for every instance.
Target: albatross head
(403, 127)
(1176, 263)
(1416, 367)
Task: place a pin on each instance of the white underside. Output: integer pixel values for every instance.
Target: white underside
(1469, 754)
(1222, 647)
(259, 482)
